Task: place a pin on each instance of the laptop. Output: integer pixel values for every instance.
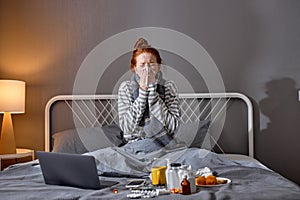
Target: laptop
(73, 170)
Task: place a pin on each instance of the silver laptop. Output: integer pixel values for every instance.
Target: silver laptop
(73, 170)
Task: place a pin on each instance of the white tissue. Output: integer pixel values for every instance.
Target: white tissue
(204, 172)
(147, 74)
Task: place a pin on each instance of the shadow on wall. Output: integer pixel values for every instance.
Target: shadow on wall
(279, 142)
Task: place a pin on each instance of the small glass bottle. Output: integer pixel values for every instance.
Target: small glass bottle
(185, 186)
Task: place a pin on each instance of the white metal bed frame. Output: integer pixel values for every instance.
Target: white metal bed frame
(206, 105)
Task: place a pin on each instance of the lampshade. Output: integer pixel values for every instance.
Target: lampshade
(12, 96)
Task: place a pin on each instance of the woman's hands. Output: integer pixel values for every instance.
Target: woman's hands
(147, 76)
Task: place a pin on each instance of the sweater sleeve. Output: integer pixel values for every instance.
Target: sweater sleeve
(130, 110)
(168, 111)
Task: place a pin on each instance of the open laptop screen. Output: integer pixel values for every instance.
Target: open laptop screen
(73, 170)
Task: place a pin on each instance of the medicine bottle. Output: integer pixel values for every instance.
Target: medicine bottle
(191, 179)
(173, 181)
(169, 175)
(185, 186)
(182, 171)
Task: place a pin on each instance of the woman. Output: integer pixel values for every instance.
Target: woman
(148, 105)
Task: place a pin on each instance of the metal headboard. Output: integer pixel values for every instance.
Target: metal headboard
(100, 110)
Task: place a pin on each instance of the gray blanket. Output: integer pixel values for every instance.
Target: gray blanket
(249, 181)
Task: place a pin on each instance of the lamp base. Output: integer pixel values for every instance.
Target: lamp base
(7, 139)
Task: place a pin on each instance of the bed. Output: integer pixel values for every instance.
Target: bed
(93, 129)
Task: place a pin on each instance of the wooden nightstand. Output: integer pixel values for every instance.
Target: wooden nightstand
(22, 155)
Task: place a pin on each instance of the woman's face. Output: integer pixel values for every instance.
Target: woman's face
(146, 59)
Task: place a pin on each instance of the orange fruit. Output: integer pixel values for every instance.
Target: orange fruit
(200, 180)
(211, 180)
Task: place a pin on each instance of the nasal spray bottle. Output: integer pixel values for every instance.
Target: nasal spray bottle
(191, 179)
(169, 184)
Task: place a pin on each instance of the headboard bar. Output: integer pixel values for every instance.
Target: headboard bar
(84, 107)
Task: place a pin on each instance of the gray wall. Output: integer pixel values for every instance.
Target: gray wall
(255, 44)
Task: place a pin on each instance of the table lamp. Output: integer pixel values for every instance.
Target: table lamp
(12, 100)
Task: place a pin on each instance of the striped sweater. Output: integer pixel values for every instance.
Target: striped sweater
(131, 110)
